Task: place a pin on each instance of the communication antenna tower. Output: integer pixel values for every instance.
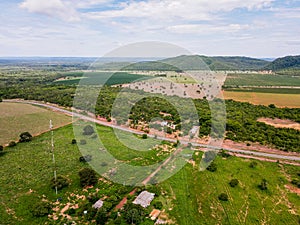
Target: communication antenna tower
(53, 157)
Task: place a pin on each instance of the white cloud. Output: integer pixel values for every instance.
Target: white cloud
(53, 8)
(206, 28)
(178, 9)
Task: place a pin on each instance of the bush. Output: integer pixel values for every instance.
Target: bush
(253, 164)
(60, 182)
(296, 182)
(263, 185)
(1, 148)
(234, 182)
(88, 130)
(86, 158)
(87, 177)
(25, 137)
(40, 209)
(144, 136)
(224, 154)
(12, 144)
(223, 197)
(158, 205)
(212, 167)
(74, 141)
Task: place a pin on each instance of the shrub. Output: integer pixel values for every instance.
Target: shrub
(25, 137)
(40, 209)
(88, 130)
(12, 144)
(224, 154)
(144, 136)
(223, 197)
(263, 185)
(253, 164)
(87, 177)
(86, 158)
(296, 182)
(1, 148)
(234, 182)
(212, 167)
(74, 141)
(158, 205)
(60, 182)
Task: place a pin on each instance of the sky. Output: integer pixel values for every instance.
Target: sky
(255, 28)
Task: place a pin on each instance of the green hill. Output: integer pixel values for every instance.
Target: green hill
(200, 62)
(285, 63)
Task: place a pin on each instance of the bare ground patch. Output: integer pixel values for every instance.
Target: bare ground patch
(280, 123)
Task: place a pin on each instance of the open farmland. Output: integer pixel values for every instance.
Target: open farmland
(16, 118)
(254, 79)
(280, 100)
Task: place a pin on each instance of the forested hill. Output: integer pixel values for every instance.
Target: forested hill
(200, 62)
(285, 63)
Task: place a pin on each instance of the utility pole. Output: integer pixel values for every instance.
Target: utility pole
(53, 157)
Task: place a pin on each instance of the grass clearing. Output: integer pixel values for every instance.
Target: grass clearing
(194, 194)
(191, 196)
(16, 118)
(280, 100)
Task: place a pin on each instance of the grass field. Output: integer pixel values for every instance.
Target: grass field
(101, 78)
(245, 79)
(280, 100)
(16, 118)
(191, 195)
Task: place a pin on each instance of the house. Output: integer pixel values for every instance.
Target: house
(98, 204)
(154, 214)
(194, 132)
(144, 199)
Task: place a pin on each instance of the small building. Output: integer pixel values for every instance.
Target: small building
(154, 214)
(194, 132)
(98, 204)
(144, 199)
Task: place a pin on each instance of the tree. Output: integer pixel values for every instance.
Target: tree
(144, 136)
(74, 141)
(1, 148)
(60, 182)
(134, 214)
(88, 130)
(87, 177)
(25, 137)
(234, 182)
(263, 185)
(223, 197)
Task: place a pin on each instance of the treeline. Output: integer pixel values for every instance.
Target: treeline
(241, 122)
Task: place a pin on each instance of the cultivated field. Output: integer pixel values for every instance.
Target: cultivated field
(16, 118)
(280, 100)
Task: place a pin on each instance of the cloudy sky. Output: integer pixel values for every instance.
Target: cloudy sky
(257, 28)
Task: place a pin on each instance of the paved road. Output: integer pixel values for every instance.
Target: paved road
(77, 115)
